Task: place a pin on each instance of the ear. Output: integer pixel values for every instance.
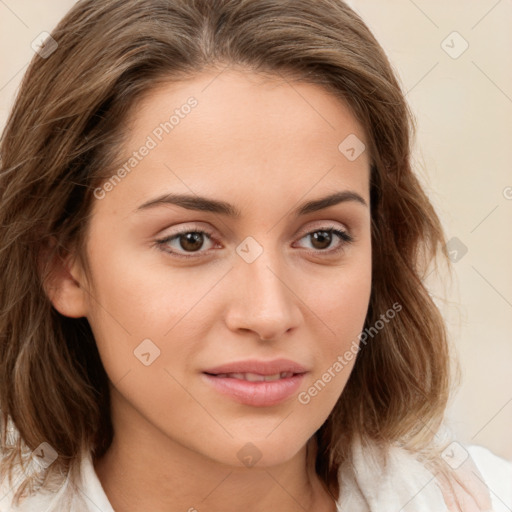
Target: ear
(64, 282)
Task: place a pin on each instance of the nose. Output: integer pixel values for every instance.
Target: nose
(263, 300)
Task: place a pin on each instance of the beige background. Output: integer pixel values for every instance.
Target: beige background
(463, 108)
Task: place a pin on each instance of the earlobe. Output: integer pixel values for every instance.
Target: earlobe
(64, 285)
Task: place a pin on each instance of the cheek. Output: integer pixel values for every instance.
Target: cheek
(141, 313)
(340, 300)
(345, 312)
(143, 297)
(341, 307)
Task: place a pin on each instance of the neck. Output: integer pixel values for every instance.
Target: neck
(145, 470)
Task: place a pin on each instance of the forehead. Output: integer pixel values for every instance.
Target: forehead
(242, 133)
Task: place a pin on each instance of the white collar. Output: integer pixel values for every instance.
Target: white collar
(374, 482)
(91, 489)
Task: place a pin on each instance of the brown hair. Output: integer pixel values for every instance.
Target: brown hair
(63, 137)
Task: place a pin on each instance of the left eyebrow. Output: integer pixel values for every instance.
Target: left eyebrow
(205, 204)
(331, 200)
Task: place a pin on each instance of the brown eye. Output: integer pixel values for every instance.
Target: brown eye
(321, 239)
(187, 241)
(191, 241)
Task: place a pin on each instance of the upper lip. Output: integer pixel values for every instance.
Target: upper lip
(258, 367)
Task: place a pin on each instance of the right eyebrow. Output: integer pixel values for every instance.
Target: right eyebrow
(192, 202)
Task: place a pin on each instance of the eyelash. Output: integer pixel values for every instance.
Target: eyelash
(343, 235)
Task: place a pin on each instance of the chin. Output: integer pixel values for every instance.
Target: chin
(261, 452)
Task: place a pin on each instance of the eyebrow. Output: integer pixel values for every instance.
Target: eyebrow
(205, 204)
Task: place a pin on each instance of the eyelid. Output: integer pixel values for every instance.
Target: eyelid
(190, 228)
(325, 225)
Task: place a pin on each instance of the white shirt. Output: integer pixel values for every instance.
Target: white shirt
(381, 489)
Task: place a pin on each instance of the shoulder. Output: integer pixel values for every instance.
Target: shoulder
(497, 475)
(382, 478)
(39, 500)
(83, 495)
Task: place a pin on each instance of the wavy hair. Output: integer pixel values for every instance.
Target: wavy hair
(62, 140)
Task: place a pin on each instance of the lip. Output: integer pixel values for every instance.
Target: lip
(260, 367)
(257, 394)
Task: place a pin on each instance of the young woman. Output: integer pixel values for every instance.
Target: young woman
(212, 247)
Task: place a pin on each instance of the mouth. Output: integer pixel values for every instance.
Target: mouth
(253, 377)
(257, 384)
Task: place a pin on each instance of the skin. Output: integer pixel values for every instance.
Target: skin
(265, 145)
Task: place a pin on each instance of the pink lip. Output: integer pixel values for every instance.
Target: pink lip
(257, 394)
(259, 367)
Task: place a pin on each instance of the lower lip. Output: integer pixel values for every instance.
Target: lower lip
(257, 394)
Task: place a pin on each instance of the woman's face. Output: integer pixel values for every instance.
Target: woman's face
(262, 286)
